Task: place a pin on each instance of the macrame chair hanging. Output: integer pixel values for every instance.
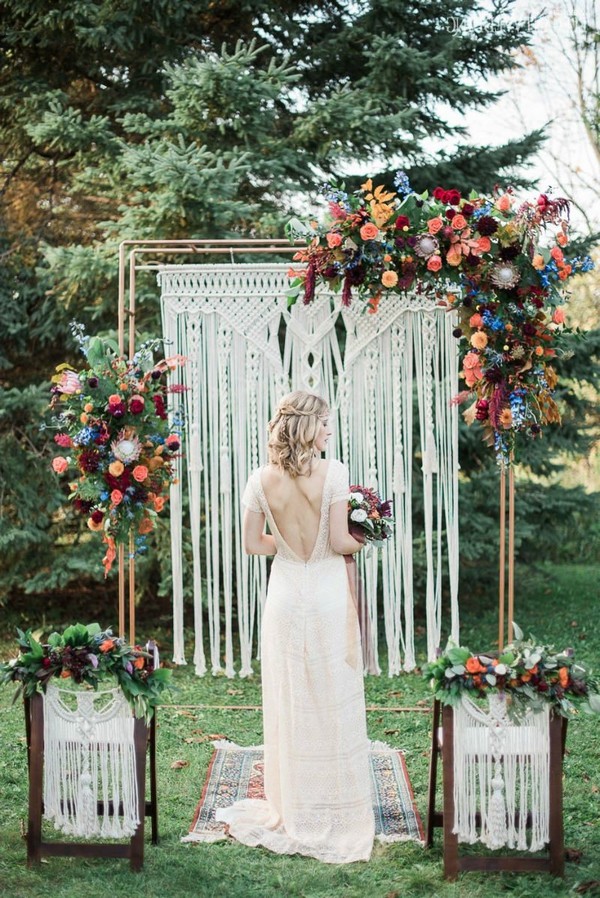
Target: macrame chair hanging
(89, 756)
(244, 350)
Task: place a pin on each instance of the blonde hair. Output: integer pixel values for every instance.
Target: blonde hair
(293, 430)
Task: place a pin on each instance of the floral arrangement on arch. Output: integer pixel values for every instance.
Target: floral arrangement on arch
(118, 447)
(479, 255)
(530, 675)
(87, 655)
(370, 515)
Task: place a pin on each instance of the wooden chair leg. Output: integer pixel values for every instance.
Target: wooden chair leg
(35, 751)
(433, 766)
(451, 861)
(557, 846)
(140, 738)
(153, 782)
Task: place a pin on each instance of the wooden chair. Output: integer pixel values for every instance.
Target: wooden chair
(442, 743)
(144, 740)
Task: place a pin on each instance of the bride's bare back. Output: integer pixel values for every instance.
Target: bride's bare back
(295, 504)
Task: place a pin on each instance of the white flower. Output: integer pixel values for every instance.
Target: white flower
(359, 515)
(357, 497)
(126, 448)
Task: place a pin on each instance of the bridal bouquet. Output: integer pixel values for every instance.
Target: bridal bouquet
(118, 446)
(370, 515)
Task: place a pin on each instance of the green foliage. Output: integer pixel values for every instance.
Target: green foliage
(195, 119)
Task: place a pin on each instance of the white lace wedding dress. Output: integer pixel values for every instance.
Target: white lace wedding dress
(317, 772)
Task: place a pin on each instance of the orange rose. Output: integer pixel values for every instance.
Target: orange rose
(479, 340)
(140, 472)
(538, 262)
(476, 320)
(557, 254)
(563, 677)
(64, 674)
(435, 224)
(562, 239)
(60, 464)
(139, 663)
(539, 350)
(88, 407)
(504, 202)
(159, 503)
(484, 244)
(473, 666)
(333, 239)
(116, 468)
(97, 527)
(558, 315)
(107, 646)
(84, 418)
(116, 497)
(115, 399)
(434, 263)
(369, 231)
(389, 278)
(459, 222)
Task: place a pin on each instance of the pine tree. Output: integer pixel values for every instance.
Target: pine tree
(149, 118)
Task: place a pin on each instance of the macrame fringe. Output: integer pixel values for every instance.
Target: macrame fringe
(89, 756)
(227, 321)
(501, 770)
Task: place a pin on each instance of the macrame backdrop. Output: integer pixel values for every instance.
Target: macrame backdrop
(244, 350)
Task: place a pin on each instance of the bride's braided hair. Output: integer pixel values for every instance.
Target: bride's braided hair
(293, 430)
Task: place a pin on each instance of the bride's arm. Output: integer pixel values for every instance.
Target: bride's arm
(256, 541)
(339, 537)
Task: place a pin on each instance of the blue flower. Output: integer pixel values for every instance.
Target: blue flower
(402, 184)
(492, 321)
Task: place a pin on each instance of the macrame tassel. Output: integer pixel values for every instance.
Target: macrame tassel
(89, 756)
(430, 463)
(497, 809)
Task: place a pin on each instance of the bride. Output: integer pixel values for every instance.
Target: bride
(316, 767)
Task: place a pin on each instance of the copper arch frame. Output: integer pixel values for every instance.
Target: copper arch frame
(147, 255)
(130, 251)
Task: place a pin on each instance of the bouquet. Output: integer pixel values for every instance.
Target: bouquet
(530, 674)
(118, 446)
(369, 515)
(88, 655)
(481, 256)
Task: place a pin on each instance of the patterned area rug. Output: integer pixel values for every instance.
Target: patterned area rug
(235, 773)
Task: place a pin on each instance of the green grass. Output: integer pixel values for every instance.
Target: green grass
(559, 604)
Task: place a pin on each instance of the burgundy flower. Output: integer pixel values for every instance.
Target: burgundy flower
(159, 407)
(493, 375)
(347, 291)
(450, 213)
(330, 272)
(438, 193)
(89, 460)
(92, 382)
(117, 410)
(136, 405)
(82, 505)
(487, 225)
(529, 329)
(399, 242)
(453, 197)
(467, 209)
(482, 409)
(510, 252)
(156, 374)
(457, 332)
(472, 260)
(402, 222)
(309, 286)
(97, 516)
(118, 483)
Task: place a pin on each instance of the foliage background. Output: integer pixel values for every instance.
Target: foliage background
(202, 119)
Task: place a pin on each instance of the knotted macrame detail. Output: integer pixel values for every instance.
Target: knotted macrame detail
(89, 757)
(245, 349)
(501, 770)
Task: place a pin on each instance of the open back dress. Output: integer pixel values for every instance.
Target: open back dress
(316, 764)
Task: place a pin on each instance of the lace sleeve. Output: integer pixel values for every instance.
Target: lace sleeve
(250, 498)
(339, 484)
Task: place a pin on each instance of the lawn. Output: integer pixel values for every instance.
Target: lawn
(559, 604)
